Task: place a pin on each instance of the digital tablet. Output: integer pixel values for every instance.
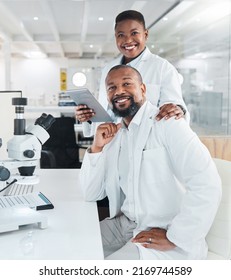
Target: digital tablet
(83, 96)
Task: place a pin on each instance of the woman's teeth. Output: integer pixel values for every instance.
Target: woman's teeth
(129, 47)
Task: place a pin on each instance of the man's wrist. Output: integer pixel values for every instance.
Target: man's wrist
(94, 149)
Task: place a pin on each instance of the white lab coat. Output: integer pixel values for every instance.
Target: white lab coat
(176, 184)
(160, 77)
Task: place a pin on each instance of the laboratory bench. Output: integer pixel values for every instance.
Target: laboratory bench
(73, 230)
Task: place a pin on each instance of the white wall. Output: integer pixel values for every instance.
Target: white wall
(39, 78)
(2, 74)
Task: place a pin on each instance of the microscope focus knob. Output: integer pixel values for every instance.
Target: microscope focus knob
(28, 153)
(4, 173)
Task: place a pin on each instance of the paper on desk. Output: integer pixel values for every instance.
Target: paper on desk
(35, 200)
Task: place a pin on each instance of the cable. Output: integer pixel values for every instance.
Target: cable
(14, 181)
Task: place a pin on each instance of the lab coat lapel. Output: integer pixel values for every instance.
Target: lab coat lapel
(112, 184)
(145, 127)
(141, 140)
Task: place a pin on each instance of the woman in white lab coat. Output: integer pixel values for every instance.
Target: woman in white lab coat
(160, 77)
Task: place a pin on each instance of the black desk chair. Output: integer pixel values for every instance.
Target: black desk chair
(61, 149)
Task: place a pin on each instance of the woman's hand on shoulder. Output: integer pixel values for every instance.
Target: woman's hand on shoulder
(170, 110)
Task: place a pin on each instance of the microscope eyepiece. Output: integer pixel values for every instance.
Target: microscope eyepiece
(45, 121)
(19, 101)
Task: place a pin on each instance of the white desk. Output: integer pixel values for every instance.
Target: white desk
(73, 227)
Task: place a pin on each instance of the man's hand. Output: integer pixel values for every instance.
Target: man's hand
(83, 113)
(104, 134)
(155, 238)
(169, 110)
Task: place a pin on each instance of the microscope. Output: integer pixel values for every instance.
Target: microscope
(24, 149)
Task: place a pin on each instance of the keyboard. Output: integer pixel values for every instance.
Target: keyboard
(19, 189)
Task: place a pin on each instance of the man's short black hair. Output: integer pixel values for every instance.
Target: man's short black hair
(119, 66)
(130, 14)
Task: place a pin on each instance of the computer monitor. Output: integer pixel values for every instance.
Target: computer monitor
(7, 116)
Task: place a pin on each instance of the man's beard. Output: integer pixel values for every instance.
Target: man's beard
(128, 112)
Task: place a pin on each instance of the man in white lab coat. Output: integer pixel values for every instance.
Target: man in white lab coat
(162, 185)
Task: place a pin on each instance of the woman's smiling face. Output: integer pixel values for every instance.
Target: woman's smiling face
(131, 38)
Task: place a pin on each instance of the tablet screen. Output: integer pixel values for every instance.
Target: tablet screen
(84, 97)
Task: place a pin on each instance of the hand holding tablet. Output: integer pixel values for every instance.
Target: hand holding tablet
(83, 96)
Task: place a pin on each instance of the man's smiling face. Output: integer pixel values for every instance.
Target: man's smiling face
(125, 91)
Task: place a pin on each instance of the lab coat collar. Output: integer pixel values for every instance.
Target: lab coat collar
(143, 56)
(138, 116)
(145, 120)
(147, 110)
